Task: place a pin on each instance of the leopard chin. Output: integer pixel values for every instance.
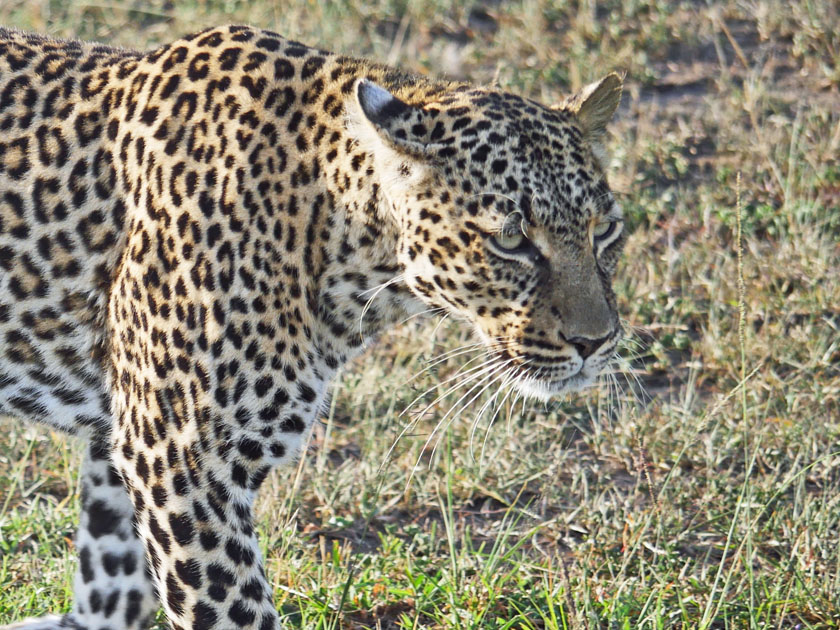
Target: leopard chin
(547, 389)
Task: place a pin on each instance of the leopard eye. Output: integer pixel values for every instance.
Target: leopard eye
(603, 230)
(508, 240)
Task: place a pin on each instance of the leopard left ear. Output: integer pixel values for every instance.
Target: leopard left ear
(395, 122)
(594, 107)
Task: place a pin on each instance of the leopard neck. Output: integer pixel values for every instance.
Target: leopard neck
(361, 292)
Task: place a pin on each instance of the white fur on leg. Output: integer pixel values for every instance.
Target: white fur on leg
(51, 622)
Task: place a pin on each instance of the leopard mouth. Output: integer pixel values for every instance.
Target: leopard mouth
(540, 376)
(545, 381)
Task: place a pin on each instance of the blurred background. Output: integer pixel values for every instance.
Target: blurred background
(698, 486)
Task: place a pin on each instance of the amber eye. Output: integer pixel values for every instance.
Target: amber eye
(606, 231)
(602, 230)
(508, 240)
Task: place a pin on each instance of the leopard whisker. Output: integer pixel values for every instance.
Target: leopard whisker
(516, 398)
(513, 374)
(499, 407)
(460, 370)
(439, 324)
(437, 309)
(483, 367)
(444, 355)
(398, 278)
(438, 361)
(495, 377)
(491, 376)
(465, 349)
(625, 370)
(417, 417)
(509, 376)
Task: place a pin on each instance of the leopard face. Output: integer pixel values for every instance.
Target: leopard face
(506, 220)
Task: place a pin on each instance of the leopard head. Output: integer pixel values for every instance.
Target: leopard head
(505, 219)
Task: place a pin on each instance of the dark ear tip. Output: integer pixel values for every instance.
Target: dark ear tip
(364, 89)
(377, 103)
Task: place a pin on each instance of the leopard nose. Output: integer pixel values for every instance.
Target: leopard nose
(586, 347)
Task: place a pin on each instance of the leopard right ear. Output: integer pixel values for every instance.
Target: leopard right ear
(594, 106)
(398, 125)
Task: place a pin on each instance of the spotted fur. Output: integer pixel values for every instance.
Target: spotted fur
(194, 239)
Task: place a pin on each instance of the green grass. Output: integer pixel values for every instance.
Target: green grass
(698, 489)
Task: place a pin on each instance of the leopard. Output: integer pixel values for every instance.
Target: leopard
(196, 238)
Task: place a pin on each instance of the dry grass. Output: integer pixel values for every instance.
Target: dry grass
(699, 490)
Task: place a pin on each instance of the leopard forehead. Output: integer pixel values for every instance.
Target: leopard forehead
(498, 153)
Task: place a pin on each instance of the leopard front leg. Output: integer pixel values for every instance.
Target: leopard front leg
(112, 588)
(193, 486)
(207, 398)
